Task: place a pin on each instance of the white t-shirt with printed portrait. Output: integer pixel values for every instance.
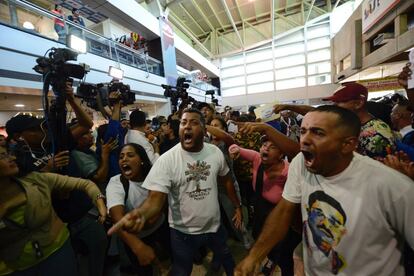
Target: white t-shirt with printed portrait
(353, 222)
(190, 180)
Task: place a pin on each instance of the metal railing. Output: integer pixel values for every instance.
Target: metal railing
(20, 14)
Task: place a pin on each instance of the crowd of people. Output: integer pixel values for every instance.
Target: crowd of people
(329, 193)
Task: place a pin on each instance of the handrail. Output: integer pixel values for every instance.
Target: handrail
(113, 43)
(43, 11)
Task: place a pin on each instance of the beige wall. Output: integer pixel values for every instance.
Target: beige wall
(350, 41)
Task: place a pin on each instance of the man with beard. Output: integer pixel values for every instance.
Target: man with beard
(188, 175)
(356, 211)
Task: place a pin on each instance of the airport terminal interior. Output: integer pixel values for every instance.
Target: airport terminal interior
(206, 137)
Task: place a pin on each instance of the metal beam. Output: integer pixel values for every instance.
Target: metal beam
(252, 19)
(287, 19)
(226, 9)
(171, 3)
(238, 11)
(302, 12)
(317, 9)
(215, 14)
(192, 18)
(255, 29)
(310, 10)
(203, 15)
(231, 43)
(182, 27)
(206, 38)
(272, 19)
(336, 4)
(329, 5)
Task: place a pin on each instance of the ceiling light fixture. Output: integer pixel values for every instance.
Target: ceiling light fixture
(19, 105)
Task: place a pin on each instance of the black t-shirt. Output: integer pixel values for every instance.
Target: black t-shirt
(168, 144)
(31, 159)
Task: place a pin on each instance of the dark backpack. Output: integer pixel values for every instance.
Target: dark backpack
(125, 184)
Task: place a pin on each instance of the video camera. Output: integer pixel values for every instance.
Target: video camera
(97, 95)
(178, 92)
(56, 67)
(56, 72)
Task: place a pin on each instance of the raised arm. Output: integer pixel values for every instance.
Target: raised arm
(298, 108)
(85, 122)
(288, 146)
(63, 183)
(221, 135)
(101, 173)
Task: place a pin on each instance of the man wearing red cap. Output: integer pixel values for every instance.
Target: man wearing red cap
(376, 139)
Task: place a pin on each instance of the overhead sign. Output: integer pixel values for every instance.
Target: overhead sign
(374, 10)
(381, 84)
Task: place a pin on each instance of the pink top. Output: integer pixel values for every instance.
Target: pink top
(272, 189)
(58, 21)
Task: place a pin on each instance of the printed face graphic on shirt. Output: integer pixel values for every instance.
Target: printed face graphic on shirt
(326, 221)
(198, 173)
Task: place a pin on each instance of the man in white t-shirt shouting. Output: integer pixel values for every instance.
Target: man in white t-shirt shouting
(188, 174)
(356, 212)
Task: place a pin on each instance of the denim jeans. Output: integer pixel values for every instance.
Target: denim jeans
(89, 238)
(184, 246)
(60, 30)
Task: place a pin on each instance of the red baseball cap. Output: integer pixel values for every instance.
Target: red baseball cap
(348, 92)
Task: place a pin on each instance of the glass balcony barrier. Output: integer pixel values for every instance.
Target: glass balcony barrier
(36, 20)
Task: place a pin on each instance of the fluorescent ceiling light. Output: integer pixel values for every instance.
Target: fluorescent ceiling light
(28, 25)
(77, 44)
(19, 105)
(116, 73)
(40, 109)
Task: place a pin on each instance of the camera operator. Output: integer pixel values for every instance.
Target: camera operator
(33, 150)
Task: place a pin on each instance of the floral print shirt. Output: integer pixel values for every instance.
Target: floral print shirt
(243, 168)
(376, 139)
